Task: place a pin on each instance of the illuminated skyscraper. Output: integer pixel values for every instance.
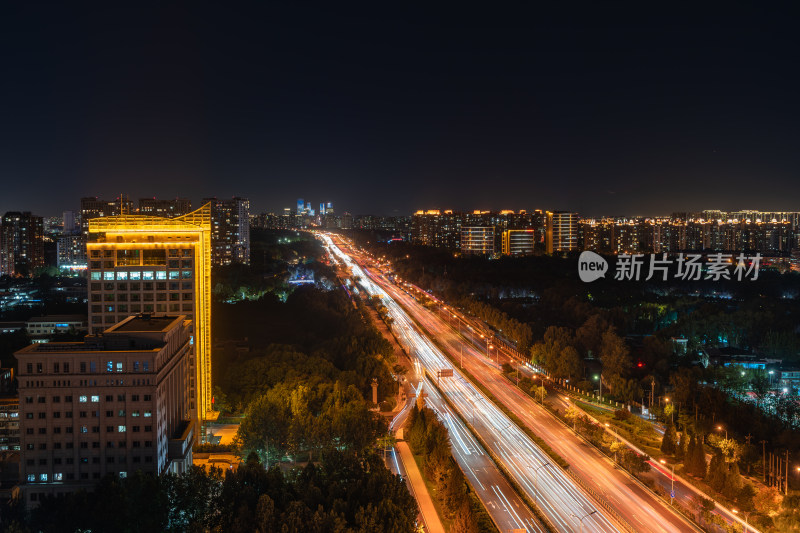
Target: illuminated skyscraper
(93, 207)
(21, 244)
(148, 264)
(561, 231)
(230, 231)
(477, 240)
(165, 208)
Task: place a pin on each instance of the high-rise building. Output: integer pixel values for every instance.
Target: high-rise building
(93, 207)
(477, 240)
(519, 241)
(115, 403)
(230, 230)
(347, 221)
(21, 244)
(71, 250)
(146, 264)
(441, 229)
(561, 231)
(164, 208)
(68, 223)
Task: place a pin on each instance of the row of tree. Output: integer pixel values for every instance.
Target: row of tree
(345, 493)
(428, 437)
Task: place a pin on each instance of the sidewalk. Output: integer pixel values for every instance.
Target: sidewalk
(426, 508)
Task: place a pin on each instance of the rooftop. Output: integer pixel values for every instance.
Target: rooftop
(144, 323)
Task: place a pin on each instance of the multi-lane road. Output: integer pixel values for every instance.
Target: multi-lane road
(566, 506)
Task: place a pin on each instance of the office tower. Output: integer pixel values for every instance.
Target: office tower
(21, 244)
(322, 209)
(165, 208)
(347, 221)
(68, 223)
(562, 231)
(146, 264)
(477, 240)
(519, 241)
(301, 207)
(230, 231)
(71, 251)
(114, 403)
(93, 207)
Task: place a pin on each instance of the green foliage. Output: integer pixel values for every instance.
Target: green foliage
(343, 493)
(669, 442)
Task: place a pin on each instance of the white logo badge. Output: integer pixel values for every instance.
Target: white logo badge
(591, 266)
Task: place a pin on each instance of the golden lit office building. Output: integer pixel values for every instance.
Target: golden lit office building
(519, 241)
(561, 231)
(477, 240)
(155, 265)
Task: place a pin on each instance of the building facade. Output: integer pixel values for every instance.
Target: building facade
(145, 264)
(519, 241)
(115, 403)
(477, 240)
(21, 244)
(230, 231)
(561, 231)
(94, 207)
(165, 208)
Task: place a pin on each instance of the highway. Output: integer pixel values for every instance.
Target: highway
(640, 508)
(566, 506)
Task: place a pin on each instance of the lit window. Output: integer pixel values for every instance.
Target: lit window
(123, 475)
(121, 429)
(135, 412)
(119, 367)
(122, 275)
(147, 274)
(187, 274)
(42, 477)
(95, 275)
(82, 399)
(58, 476)
(148, 413)
(109, 366)
(161, 274)
(84, 429)
(95, 399)
(136, 275)
(146, 366)
(108, 276)
(31, 477)
(174, 274)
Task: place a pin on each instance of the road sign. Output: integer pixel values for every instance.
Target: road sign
(672, 494)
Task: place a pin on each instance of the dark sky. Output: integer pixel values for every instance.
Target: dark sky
(604, 109)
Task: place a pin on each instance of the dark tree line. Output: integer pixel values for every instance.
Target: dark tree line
(345, 493)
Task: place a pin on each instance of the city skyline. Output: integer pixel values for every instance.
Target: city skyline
(604, 111)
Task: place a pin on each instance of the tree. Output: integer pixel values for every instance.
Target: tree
(766, 501)
(568, 363)
(590, 335)
(669, 440)
(464, 521)
(698, 465)
(614, 355)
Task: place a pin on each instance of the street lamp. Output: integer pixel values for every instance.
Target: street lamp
(600, 378)
(720, 428)
(746, 518)
(536, 476)
(672, 490)
(583, 518)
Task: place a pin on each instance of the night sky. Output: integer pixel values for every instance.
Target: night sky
(603, 110)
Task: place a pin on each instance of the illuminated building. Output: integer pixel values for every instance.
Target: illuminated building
(519, 241)
(93, 207)
(165, 208)
(441, 229)
(230, 231)
(43, 326)
(71, 252)
(146, 264)
(21, 244)
(561, 231)
(114, 403)
(477, 240)
(347, 221)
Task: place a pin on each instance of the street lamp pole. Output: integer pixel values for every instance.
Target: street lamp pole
(536, 476)
(581, 519)
(672, 489)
